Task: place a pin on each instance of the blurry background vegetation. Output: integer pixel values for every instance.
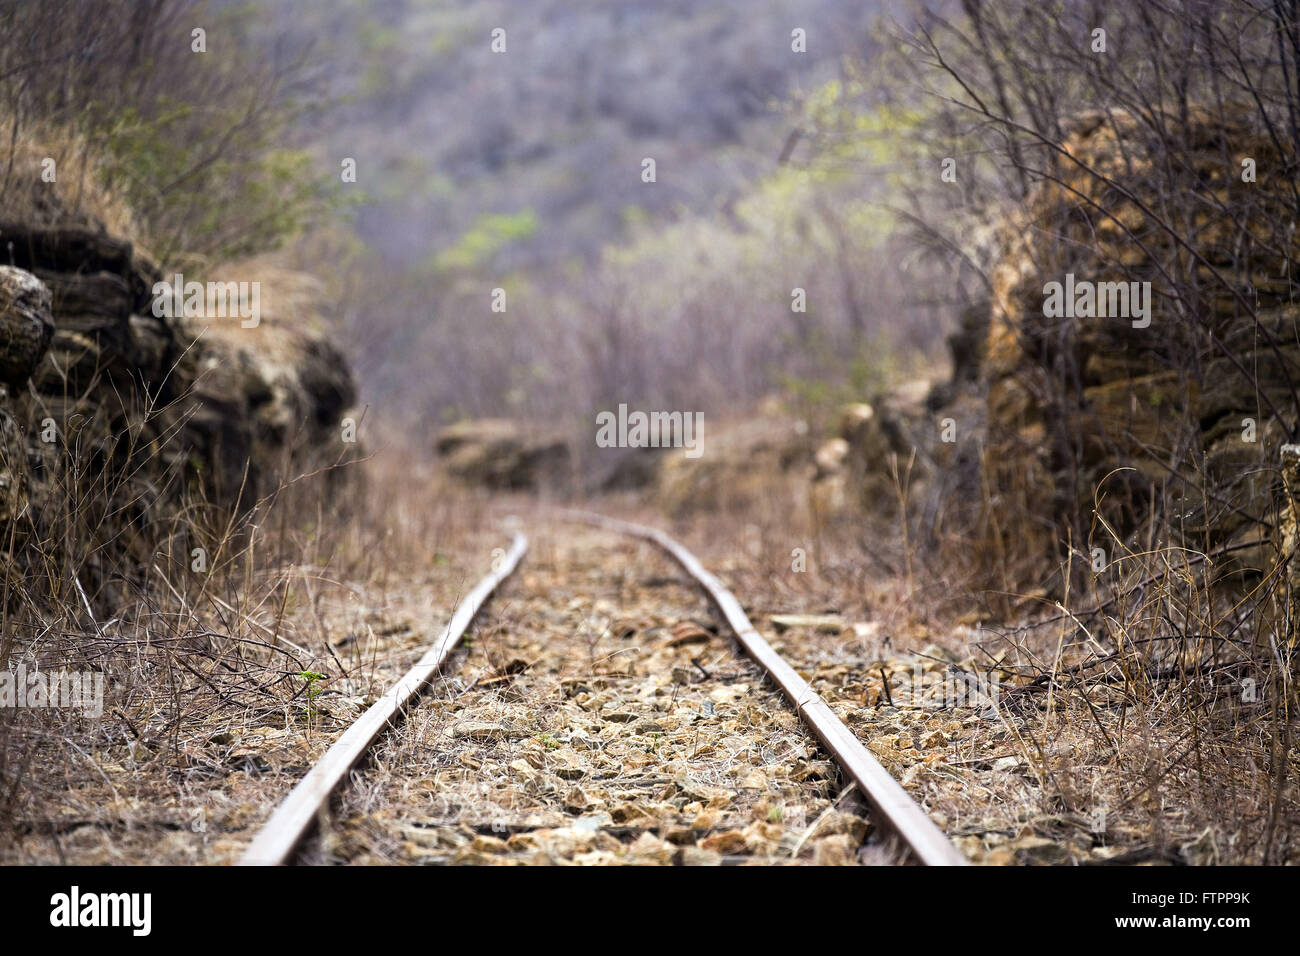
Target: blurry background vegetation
(520, 171)
(776, 170)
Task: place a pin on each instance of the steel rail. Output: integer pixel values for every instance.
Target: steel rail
(890, 801)
(279, 837)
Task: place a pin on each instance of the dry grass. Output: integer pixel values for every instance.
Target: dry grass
(1117, 738)
(1145, 716)
(210, 721)
(77, 197)
(1166, 705)
(208, 716)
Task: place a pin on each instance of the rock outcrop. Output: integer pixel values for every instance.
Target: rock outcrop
(737, 466)
(26, 325)
(1063, 417)
(1186, 413)
(904, 442)
(116, 422)
(504, 455)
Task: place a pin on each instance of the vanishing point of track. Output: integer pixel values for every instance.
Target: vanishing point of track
(892, 809)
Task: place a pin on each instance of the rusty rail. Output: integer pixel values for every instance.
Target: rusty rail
(279, 837)
(887, 798)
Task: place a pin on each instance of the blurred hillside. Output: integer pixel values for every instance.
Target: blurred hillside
(747, 267)
(521, 171)
(448, 135)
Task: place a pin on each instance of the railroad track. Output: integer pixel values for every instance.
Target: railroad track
(892, 809)
(280, 836)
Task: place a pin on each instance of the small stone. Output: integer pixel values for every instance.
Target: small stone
(706, 819)
(697, 856)
(648, 848)
(576, 800)
(837, 850)
(487, 844)
(682, 836)
(479, 730)
(1038, 850)
(689, 787)
(728, 694)
(566, 763)
(754, 779)
(728, 843)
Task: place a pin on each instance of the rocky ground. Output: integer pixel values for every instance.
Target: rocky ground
(601, 716)
(598, 712)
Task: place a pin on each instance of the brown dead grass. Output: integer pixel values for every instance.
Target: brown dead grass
(76, 198)
(1142, 721)
(207, 719)
(1118, 738)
